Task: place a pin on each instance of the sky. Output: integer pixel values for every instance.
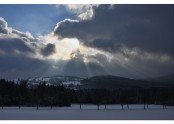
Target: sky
(37, 19)
(134, 41)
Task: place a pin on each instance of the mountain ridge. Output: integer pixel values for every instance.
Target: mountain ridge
(110, 81)
(99, 81)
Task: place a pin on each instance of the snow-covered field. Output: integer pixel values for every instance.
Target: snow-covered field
(88, 112)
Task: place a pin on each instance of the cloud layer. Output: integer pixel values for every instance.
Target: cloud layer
(148, 27)
(134, 41)
(138, 37)
(21, 54)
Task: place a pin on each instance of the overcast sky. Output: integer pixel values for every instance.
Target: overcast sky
(134, 41)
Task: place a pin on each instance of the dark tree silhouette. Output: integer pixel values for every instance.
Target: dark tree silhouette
(107, 97)
(146, 98)
(125, 98)
(101, 97)
(80, 98)
(164, 98)
(1, 99)
(21, 94)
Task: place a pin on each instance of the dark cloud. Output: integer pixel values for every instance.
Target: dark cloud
(137, 40)
(13, 45)
(132, 67)
(21, 34)
(48, 49)
(148, 27)
(18, 60)
(19, 53)
(22, 64)
(75, 67)
(12, 40)
(100, 64)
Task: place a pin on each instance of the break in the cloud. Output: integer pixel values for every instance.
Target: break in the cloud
(134, 41)
(14, 41)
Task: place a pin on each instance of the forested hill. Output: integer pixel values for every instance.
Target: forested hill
(168, 79)
(115, 82)
(105, 81)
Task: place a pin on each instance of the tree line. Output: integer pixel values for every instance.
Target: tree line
(21, 94)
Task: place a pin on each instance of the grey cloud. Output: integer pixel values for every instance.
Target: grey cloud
(105, 44)
(145, 30)
(18, 52)
(113, 29)
(21, 63)
(75, 67)
(148, 27)
(10, 45)
(21, 34)
(12, 40)
(99, 57)
(15, 66)
(48, 49)
(66, 32)
(132, 67)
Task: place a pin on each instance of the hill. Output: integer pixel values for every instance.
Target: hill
(115, 82)
(168, 79)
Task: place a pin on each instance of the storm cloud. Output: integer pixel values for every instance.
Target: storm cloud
(134, 41)
(19, 53)
(148, 27)
(48, 49)
(137, 40)
(132, 66)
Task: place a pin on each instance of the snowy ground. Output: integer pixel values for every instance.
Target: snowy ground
(88, 112)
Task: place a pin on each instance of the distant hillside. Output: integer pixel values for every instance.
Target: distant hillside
(115, 82)
(68, 81)
(106, 81)
(168, 79)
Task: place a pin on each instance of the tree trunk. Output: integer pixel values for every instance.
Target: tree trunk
(37, 106)
(127, 106)
(97, 107)
(2, 105)
(122, 106)
(19, 105)
(165, 106)
(147, 106)
(105, 106)
(144, 106)
(80, 106)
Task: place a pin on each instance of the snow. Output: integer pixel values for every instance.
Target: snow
(71, 82)
(88, 112)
